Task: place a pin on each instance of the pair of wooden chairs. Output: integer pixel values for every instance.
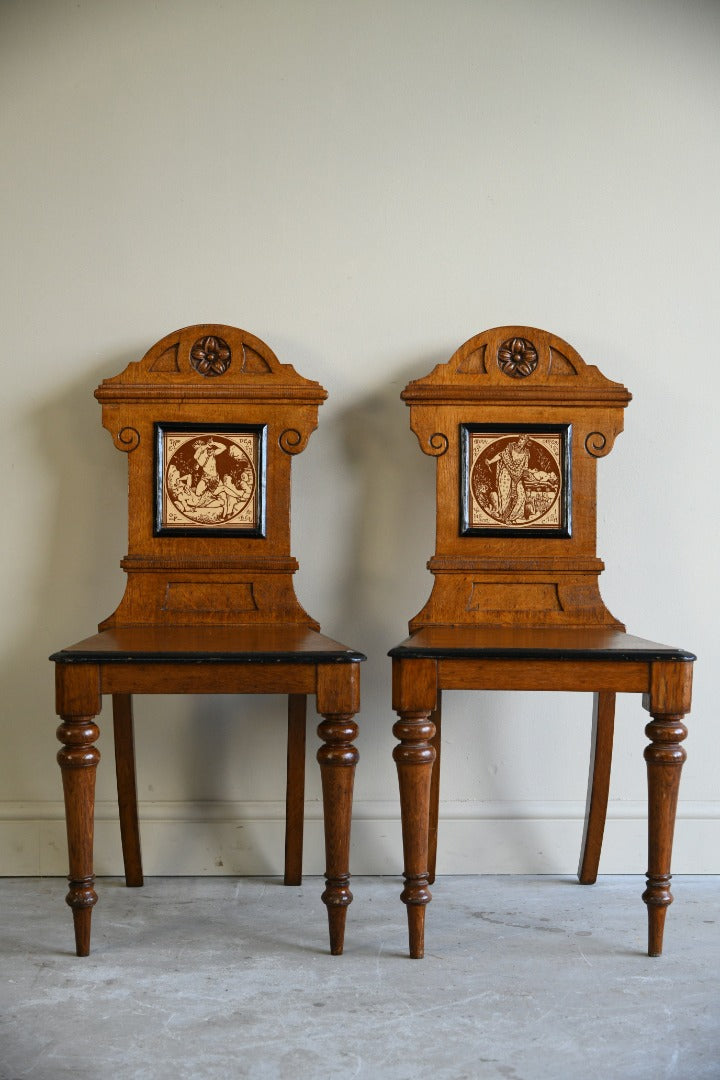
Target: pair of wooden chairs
(210, 421)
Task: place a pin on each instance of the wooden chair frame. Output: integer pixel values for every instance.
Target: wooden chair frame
(209, 605)
(515, 603)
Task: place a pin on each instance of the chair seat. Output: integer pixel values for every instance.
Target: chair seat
(552, 643)
(266, 644)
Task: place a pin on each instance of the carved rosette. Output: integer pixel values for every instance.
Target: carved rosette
(517, 358)
(210, 356)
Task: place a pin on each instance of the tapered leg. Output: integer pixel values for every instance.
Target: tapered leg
(414, 757)
(337, 757)
(664, 757)
(436, 719)
(295, 791)
(127, 788)
(78, 759)
(598, 786)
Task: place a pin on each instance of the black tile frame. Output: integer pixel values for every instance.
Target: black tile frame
(564, 530)
(171, 427)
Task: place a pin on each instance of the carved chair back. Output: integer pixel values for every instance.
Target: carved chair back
(517, 421)
(210, 420)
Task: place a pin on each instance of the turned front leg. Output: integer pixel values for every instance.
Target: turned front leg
(665, 757)
(338, 758)
(414, 757)
(78, 758)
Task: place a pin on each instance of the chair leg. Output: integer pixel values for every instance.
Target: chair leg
(598, 786)
(78, 759)
(436, 719)
(665, 758)
(337, 758)
(414, 756)
(127, 788)
(295, 791)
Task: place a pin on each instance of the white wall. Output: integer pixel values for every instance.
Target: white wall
(364, 185)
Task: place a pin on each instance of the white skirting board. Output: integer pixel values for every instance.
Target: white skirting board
(247, 838)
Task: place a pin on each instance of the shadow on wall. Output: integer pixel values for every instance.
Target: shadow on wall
(392, 535)
(83, 536)
(383, 582)
(78, 583)
(387, 582)
(87, 534)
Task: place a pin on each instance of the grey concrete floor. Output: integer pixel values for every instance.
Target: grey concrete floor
(524, 979)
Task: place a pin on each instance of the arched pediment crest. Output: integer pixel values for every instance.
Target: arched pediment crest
(210, 361)
(517, 365)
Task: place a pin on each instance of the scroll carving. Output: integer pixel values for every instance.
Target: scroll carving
(517, 358)
(127, 439)
(437, 443)
(210, 356)
(596, 444)
(291, 441)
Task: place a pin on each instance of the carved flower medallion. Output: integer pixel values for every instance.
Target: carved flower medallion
(517, 357)
(210, 356)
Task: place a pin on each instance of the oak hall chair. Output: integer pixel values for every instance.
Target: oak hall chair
(209, 420)
(517, 421)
